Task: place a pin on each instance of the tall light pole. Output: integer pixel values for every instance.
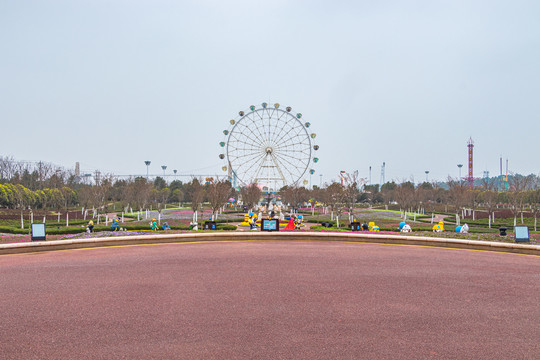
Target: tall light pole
(427, 172)
(320, 185)
(174, 171)
(147, 163)
(164, 167)
(460, 166)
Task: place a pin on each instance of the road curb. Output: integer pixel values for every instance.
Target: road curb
(20, 248)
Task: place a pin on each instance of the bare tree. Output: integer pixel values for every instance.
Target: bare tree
(404, 194)
(68, 196)
(294, 195)
(179, 195)
(517, 196)
(139, 192)
(160, 197)
(350, 194)
(251, 195)
(195, 191)
(100, 191)
(388, 192)
(7, 167)
(489, 200)
(474, 199)
(425, 193)
(458, 193)
(334, 197)
(85, 196)
(218, 192)
(534, 200)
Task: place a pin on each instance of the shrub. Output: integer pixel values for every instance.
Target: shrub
(226, 227)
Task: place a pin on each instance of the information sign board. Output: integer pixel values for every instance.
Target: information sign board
(270, 225)
(522, 233)
(38, 232)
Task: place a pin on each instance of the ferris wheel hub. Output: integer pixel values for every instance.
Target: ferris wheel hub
(269, 150)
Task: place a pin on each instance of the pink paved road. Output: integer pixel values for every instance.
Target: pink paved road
(269, 300)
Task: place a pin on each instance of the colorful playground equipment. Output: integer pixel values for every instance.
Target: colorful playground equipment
(290, 224)
(115, 226)
(299, 222)
(438, 227)
(252, 221)
(462, 229)
(295, 222)
(272, 215)
(404, 227)
(372, 226)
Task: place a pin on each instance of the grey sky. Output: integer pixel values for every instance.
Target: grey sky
(113, 83)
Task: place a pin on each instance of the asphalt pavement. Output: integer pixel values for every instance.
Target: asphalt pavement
(269, 300)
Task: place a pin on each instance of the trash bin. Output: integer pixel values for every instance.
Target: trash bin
(355, 226)
(502, 231)
(209, 225)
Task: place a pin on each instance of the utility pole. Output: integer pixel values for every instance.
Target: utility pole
(382, 175)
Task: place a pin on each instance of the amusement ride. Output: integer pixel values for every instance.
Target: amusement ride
(269, 146)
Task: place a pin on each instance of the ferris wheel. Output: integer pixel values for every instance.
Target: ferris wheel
(268, 146)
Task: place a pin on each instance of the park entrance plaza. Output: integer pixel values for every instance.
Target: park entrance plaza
(267, 299)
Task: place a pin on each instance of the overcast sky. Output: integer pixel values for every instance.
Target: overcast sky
(113, 83)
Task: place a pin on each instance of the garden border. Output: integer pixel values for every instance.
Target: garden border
(31, 247)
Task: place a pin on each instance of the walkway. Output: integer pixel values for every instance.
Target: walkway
(269, 300)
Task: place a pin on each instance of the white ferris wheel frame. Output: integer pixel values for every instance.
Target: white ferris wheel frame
(269, 146)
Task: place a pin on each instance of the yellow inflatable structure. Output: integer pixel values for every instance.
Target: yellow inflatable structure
(438, 227)
(372, 226)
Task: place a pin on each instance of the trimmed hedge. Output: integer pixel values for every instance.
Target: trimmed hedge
(78, 230)
(13, 230)
(221, 221)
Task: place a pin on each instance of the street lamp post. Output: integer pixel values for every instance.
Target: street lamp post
(320, 185)
(147, 163)
(427, 172)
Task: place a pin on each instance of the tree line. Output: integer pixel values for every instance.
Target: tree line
(44, 186)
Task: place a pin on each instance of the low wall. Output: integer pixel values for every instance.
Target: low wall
(30, 247)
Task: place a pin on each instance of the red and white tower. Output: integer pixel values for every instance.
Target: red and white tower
(470, 178)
